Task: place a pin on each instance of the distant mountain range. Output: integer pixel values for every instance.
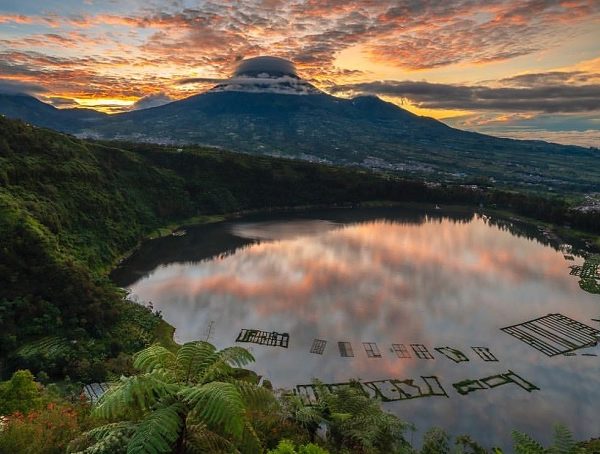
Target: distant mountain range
(278, 113)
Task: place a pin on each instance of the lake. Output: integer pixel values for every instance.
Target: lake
(418, 278)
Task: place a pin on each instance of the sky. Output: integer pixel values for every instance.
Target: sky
(513, 68)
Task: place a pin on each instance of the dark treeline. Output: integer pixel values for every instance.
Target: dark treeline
(246, 182)
(70, 208)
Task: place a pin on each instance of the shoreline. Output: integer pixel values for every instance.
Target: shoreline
(592, 242)
(165, 332)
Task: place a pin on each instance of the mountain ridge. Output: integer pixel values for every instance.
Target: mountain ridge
(364, 131)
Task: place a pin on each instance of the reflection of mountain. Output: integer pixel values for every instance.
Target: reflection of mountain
(207, 241)
(200, 243)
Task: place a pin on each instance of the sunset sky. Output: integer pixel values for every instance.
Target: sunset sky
(518, 68)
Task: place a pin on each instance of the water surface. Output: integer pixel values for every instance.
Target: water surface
(385, 276)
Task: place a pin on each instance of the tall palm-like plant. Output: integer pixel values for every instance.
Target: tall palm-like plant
(189, 401)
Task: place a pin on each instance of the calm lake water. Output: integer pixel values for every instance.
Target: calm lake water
(387, 276)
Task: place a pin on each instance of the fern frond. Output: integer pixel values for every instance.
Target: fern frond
(191, 358)
(284, 447)
(307, 416)
(250, 442)
(213, 369)
(202, 440)
(107, 439)
(221, 364)
(236, 356)
(372, 428)
(312, 449)
(157, 432)
(254, 396)
(107, 430)
(217, 404)
(564, 443)
(139, 392)
(524, 444)
(341, 417)
(154, 357)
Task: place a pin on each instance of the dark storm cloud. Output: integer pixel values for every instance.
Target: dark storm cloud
(199, 80)
(550, 78)
(14, 87)
(550, 98)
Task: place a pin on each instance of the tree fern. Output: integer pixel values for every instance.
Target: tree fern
(220, 364)
(200, 439)
(175, 403)
(307, 416)
(137, 393)
(564, 443)
(158, 431)
(257, 397)
(192, 358)
(236, 356)
(218, 404)
(354, 420)
(524, 444)
(250, 443)
(154, 357)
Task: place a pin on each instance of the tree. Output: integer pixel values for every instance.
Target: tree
(180, 402)
(20, 394)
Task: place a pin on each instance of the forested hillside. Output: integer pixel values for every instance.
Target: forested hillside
(69, 209)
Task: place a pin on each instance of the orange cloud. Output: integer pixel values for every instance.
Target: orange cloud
(156, 47)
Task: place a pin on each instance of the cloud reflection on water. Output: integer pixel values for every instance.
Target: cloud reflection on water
(437, 283)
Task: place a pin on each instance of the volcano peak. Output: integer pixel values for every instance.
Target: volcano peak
(267, 74)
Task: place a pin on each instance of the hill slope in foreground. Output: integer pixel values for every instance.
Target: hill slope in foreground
(363, 131)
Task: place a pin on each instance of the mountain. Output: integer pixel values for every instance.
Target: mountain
(266, 108)
(31, 110)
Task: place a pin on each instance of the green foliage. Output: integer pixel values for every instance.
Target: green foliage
(69, 209)
(563, 443)
(217, 404)
(524, 444)
(20, 394)
(46, 430)
(158, 432)
(354, 421)
(177, 404)
(289, 447)
(435, 441)
(467, 445)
